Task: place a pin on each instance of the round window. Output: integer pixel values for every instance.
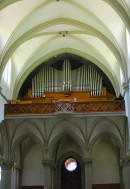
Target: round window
(70, 164)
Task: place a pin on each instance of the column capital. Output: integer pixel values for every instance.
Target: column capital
(47, 163)
(6, 164)
(16, 166)
(125, 162)
(87, 162)
(126, 86)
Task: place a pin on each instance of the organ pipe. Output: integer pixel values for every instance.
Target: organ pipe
(66, 75)
(84, 78)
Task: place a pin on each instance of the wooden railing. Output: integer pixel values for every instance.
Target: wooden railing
(65, 106)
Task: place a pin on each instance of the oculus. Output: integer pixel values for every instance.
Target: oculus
(70, 164)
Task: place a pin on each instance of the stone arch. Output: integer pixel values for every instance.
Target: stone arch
(106, 152)
(60, 51)
(73, 136)
(111, 136)
(114, 125)
(61, 159)
(24, 125)
(23, 138)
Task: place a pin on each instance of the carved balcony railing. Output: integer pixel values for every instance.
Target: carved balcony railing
(65, 106)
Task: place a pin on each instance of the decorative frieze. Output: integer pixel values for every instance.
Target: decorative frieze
(6, 164)
(76, 107)
(125, 162)
(87, 162)
(47, 163)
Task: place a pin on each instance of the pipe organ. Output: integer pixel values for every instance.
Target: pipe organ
(66, 75)
(84, 78)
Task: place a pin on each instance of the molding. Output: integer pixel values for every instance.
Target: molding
(63, 115)
(120, 11)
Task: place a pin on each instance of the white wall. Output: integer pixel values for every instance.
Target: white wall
(32, 167)
(105, 167)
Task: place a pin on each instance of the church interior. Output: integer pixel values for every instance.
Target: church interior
(65, 94)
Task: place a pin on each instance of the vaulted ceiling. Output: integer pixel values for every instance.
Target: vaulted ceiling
(34, 31)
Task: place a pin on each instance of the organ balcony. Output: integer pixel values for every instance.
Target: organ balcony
(66, 89)
(76, 102)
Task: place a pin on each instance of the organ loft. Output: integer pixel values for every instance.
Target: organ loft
(66, 86)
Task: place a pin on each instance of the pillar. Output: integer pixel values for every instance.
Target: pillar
(125, 163)
(6, 169)
(16, 176)
(127, 105)
(88, 173)
(47, 173)
(53, 170)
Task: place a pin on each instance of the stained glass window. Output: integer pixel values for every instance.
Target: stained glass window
(70, 164)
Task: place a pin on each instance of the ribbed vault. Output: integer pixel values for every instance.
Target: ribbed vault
(37, 31)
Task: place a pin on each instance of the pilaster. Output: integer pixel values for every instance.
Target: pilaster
(16, 176)
(6, 168)
(88, 172)
(126, 87)
(48, 164)
(125, 167)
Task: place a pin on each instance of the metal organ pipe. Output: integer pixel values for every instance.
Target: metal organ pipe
(38, 85)
(94, 83)
(66, 75)
(35, 86)
(84, 77)
(52, 84)
(32, 87)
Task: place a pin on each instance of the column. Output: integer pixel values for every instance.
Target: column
(125, 164)
(88, 173)
(47, 173)
(53, 173)
(126, 97)
(16, 176)
(127, 104)
(6, 168)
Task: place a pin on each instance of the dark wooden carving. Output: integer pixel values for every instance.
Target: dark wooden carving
(75, 107)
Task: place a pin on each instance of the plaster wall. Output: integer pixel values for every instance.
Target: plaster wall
(32, 167)
(105, 167)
